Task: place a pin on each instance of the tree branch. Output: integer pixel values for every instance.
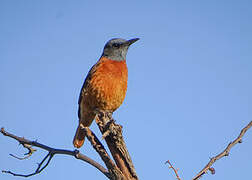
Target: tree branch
(51, 152)
(175, 170)
(112, 133)
(28, 154)
(115, 173)
(38, 170)
(223, 153)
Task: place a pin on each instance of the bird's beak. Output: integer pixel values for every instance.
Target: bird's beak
(131, 41)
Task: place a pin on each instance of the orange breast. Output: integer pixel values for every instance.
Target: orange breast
(108, 84)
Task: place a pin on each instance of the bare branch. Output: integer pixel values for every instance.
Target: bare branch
(37, 171)
(51, 152)
(28, 154)
(175, 170)
(97, 145)
(223, 153)
(112, 133)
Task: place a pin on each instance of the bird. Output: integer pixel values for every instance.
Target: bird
(105, 85)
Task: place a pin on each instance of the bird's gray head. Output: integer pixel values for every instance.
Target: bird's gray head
(116, 49)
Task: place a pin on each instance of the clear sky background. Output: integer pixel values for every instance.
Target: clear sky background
(189, 88)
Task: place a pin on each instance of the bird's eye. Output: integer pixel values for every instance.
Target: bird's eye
(116, 45)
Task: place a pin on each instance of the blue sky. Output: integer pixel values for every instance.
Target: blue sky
(189, 88)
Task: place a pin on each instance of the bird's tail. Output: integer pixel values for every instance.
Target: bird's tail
(79, 137)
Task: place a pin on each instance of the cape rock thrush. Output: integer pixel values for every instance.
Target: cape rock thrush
(105, 85)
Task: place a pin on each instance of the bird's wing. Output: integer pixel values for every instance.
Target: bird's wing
(85, 84)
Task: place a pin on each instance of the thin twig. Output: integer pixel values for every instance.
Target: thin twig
(28, 154)
(37, 171)
(223, 153)
(51, 152)
(175, 170)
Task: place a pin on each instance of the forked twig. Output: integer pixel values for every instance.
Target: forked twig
(223, 153)
(28, 154)
(51, 152)
(37, 171)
